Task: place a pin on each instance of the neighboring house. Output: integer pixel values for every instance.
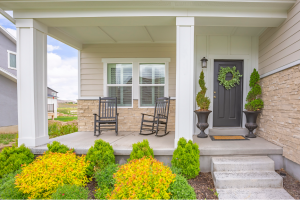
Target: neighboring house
(52, 103)
(138, 50)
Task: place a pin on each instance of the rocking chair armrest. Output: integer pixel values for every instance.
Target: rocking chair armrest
(147, 114)
(96, 114)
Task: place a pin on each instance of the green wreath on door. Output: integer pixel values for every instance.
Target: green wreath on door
(228, 84)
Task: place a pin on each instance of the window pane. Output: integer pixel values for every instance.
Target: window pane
(119, 73)
(123, 93)
(148, 94)
(152, 73)
(12, 60)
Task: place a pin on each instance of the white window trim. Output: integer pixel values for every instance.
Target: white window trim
(8, 59)
(135, 75)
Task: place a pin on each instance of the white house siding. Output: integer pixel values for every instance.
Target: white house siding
(91, 66)
(233, 47)
(53, 101)
(281, 46)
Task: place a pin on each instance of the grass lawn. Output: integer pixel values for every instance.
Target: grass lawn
(7, 138)
(66, 118)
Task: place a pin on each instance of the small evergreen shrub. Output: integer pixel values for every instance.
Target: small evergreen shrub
(254, 103)
(105, 177)
(71, 192)
(180, 189)
(56, 147)
(41, 178)
(175, 170)
(100, 155)
(203, 102)
(140, 150)
(8, 188)
(186, 157)
(11, 158)
(144, 178)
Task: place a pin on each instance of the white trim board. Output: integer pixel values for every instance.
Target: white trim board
(8, 75)
(293, 64)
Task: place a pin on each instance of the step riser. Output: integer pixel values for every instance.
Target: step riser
(243, 167)
(254, 183)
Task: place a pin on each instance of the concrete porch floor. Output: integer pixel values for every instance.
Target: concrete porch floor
(163, 147)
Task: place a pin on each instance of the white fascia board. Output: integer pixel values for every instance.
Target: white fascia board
(7, 16)
(8, 75)
(122, 60)
(8, 35)
(53, 32)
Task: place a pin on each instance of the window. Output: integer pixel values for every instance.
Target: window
(151, 82)
(12, 60)
(119, 82)
(142, 79)
(54, 94)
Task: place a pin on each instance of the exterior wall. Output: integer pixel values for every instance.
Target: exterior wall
(279, 122)
(91, 67)
(8, 102)
(215, 47)
(53, 101)
(6, 44)
(280, 46)
(129, 118)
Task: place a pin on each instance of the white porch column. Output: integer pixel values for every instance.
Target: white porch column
(185, 84)
(32, 82)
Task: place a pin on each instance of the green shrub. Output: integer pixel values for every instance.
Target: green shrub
(56, 147)
(203, 102)
(55, 130)
(254, 103)
(180, 189)
(8, 189)
(101, 193)
(71, 192)
(100, 155)
(141, 149)
(11, 158)
(175, 170)
(105, 177)
(186, 158)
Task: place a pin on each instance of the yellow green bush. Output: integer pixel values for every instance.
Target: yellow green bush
(41, 178)
(144, 178)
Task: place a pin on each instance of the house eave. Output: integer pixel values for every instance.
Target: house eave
(8, 75)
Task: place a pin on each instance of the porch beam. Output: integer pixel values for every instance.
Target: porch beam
(59, 35)
(185, 84)
(32, 82)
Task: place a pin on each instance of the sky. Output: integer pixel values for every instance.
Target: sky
(62, 64)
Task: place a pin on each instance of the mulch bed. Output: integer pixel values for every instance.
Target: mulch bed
(290, 184)
(204, 186)
(92, 186)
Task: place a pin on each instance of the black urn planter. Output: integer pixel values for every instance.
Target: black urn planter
(202, 122)
(251, 117)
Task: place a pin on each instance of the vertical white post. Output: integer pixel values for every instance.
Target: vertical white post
(32, 82)
(185, 84)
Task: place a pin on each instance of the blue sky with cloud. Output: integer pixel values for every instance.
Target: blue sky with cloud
(62, 64)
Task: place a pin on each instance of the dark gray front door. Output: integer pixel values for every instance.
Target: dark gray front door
(227, 108)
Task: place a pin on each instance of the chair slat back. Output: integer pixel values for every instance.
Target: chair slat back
(162, 106)
(108, 107)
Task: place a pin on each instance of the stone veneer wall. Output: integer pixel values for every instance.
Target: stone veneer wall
(279, 122)
(129, 118)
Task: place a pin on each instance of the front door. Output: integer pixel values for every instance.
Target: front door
(227, 108)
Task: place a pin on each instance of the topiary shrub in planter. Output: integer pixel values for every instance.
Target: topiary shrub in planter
(100, 155)
(254, 104)
(41, 178)
(56, 147)
(203, 103)
(8, 188)
(140, 150)
(186, 157)
(71, 192)
(144, 178)
(180, 189)
(11, 158)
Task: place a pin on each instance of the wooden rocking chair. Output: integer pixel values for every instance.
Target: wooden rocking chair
(160, 117)
(108, 116)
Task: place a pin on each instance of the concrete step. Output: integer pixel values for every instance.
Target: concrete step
(247, 179)
(246, 163)
(228, 131)
(254, 193)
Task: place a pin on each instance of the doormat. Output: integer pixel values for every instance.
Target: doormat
(227, 137)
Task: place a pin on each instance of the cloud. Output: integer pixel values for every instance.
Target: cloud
(51, 47)
(13, 32)
(63, 76)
